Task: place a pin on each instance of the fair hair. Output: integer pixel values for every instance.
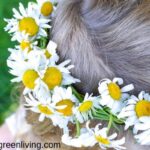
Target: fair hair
(105, 39)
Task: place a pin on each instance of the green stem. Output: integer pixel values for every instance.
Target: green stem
(43, 42)
(101, 118)
(118, 121)
(110, 123)
(77, 128)
(115, 126)
(79, 96)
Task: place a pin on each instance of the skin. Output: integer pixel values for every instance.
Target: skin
(5, 134)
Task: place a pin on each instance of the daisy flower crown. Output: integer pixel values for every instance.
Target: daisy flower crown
(49, 87)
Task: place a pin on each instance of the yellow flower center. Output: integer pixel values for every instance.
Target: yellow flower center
(28, 25)
(45, 110)
(114, 91)
(52, 77)
(25, 45)
(142, 108)
(102, 140)
(29, 78)
(47, 9)
(85, 106)
(47, 54)
(67, 111)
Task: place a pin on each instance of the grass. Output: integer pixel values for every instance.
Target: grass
(7, 103)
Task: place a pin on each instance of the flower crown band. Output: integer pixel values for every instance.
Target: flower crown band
(49, 87)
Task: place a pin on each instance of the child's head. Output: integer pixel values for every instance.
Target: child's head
(105, 39)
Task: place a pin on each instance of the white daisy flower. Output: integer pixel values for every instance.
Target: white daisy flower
(64, 98)
(17, 55)
(61, 122)
(50, 52)
(58, 75)
(144, 126)
(91, 137)
(112, 95)
(84, 140)
(104, 141)
(25, 42)
(39, 102)
(45, 7)
(83, 112)
(27, 21)
(27, 67)
(136, 108)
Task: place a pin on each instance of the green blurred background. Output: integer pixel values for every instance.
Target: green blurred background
(8, 103)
